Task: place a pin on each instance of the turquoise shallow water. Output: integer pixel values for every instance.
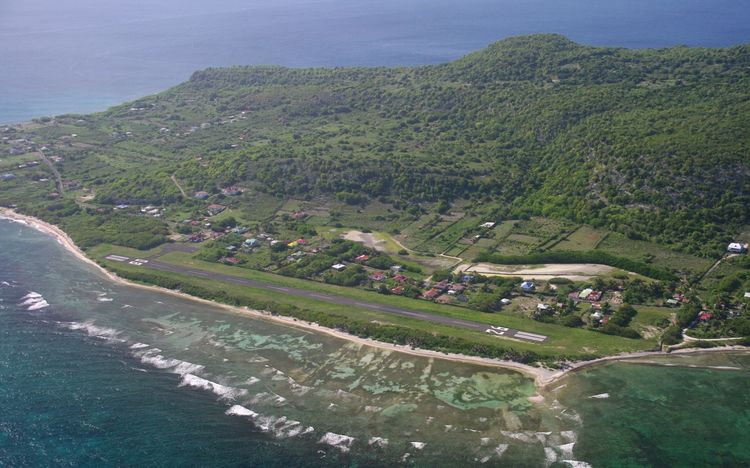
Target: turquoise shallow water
(98, 374)
(684, 410)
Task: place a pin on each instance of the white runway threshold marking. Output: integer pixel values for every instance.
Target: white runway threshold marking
(117, 258)
(530, 336)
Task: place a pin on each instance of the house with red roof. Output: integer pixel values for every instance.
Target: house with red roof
(377, 276)
(456, 289)
(432, 294)
(441, 286)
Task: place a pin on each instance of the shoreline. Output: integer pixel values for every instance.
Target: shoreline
(543, 377)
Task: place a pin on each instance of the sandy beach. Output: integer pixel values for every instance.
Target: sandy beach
(543, 377)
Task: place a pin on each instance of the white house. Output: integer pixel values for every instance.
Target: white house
(488, 225)
(736, 247)
(338, 266)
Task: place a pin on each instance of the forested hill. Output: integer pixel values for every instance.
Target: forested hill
(651, 143)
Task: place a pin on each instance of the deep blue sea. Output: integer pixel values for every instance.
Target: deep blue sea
(85, 55)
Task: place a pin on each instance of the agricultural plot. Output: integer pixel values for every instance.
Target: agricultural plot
(543, 228)
(450, 236)
(525, 236)
(456, 250)
(471, 253)
(517, 244)
(417, 235)
(504, 228)
(582, 239)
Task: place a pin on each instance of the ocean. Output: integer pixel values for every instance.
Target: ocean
(96, 373)
(85, 55)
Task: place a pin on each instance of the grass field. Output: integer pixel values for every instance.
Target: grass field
(649, 252)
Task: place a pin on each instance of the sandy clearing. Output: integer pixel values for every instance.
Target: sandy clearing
(366, 238)
(573, 271)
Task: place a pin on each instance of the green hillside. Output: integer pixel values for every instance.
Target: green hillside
(654, 144)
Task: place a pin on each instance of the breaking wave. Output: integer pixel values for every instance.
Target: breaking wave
(94, 330)
(177, 366)
(279, 426)
(339, 441)
(223, 391)
(33, 301)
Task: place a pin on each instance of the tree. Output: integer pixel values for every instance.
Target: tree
(623, 316)
(486, 302)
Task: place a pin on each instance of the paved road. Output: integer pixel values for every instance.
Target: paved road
(493, 330)
(58, 178)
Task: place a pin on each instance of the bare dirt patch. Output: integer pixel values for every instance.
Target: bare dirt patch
(574, 271)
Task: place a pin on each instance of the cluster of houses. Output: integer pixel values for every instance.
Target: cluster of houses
(208, 234)
(676, 300)
(586, 295)
(18, 145)
(252, 242)
(231, 191)
(443, 291)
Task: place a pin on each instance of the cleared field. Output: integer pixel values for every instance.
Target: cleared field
(258, 206)
(649, 316)
(384, 242)
(583, 238)
(726, 268)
